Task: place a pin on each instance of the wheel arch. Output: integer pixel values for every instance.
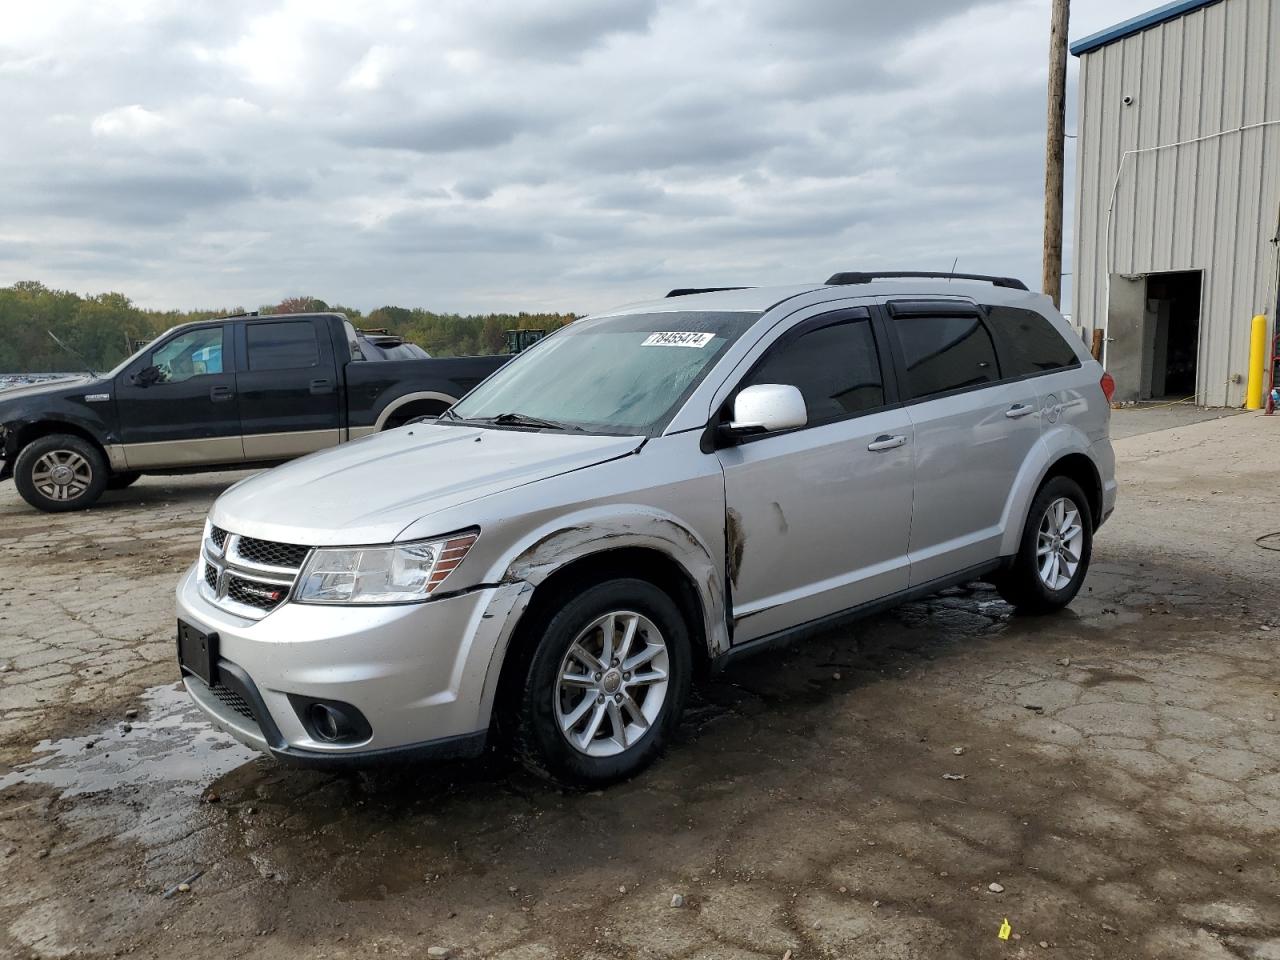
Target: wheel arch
(399, 410)
(654, 548)
(25, 433)
(1067, 456)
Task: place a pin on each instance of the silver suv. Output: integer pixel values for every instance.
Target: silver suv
(640, 497)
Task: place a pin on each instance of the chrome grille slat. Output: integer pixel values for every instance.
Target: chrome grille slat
(238, 578)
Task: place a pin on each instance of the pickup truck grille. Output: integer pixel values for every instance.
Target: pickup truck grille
(246, 576)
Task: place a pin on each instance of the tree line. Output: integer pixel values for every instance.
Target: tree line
(102, 328)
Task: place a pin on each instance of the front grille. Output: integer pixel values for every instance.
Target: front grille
(234, 701)
(247, 576)
(271, 554)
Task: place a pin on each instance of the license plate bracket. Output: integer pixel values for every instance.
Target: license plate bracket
(198, 652)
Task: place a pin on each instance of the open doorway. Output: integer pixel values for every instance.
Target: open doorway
(1171, 335)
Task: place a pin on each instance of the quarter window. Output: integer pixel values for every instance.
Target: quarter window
(835, 366)
(282, 346)
(1029, 343)
(945, 353)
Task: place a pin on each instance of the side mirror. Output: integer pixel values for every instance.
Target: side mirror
(147, 376)
(764, 408)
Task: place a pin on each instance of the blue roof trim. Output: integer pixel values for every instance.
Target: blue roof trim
(1170, 11)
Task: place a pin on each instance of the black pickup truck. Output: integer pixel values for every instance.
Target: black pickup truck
(231, 393)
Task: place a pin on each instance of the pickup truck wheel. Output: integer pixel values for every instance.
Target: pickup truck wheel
(606, 686)
(60, 472)
(118, 481)
(1057, 543)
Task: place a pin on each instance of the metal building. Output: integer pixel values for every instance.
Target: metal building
(1178, 194)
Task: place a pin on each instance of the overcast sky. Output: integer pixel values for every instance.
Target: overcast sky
(561, 155)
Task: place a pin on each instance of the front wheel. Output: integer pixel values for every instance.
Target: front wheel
(1057, 544)
(60, 472)
(606, 686)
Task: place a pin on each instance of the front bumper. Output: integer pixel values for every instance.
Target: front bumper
(417, 673)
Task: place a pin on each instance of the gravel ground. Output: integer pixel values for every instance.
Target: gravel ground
(1107, 779)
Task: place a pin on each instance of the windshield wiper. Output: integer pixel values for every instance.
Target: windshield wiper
(525, 420)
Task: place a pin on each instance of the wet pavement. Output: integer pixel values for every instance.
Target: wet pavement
(1113, 770)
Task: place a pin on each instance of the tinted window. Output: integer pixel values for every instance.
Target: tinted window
(835, 367)
(282, 346)
(189, 355)
(945, 353)
(1029, 343)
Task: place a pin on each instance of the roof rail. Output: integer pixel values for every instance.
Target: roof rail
(850, 277)
(686, 291)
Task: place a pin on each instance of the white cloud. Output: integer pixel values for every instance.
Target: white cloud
(134, 121)
(564, 155)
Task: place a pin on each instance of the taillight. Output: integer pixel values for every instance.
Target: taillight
(1108, 384)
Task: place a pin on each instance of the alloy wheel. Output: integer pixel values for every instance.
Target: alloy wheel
(62, 475)
(612, 684)
(1059, 544)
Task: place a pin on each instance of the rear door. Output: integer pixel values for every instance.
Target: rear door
(1033, 349)
(973, 432)
(288, 388)
(818, 517)
(183, 411)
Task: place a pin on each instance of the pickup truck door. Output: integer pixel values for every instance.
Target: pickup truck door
(176, 403)
(287, 383)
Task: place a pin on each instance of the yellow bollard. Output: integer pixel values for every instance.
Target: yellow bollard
(1257, 360)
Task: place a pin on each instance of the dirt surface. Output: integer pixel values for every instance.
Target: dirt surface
(1108, 778)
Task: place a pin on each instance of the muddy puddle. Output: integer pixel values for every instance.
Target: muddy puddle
(169, 745)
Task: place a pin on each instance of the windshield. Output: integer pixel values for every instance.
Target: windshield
(625, 375)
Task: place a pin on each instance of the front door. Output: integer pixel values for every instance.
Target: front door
(177, 403)
(973, 434)
(818, 518)
(289, 397)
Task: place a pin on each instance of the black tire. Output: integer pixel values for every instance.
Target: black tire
(1022, 585)
(119, 481)
(538, 739)
(38, 488)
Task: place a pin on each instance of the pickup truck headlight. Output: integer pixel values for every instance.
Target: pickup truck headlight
(396, 573)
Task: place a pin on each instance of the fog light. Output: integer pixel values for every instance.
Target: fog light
(326, 722)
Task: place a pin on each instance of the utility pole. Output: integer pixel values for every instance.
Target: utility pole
(1055, 142)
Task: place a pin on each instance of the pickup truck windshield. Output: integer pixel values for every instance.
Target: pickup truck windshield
(624, 374)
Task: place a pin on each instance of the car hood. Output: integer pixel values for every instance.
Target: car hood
(370, 490)
(65, 385)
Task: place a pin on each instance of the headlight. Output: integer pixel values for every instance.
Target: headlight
(398, 573)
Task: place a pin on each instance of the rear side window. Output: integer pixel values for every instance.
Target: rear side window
(282, 346)
(945, 353)
(834, 365)
(1029, 343)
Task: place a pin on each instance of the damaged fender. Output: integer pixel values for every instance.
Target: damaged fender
(590, 532)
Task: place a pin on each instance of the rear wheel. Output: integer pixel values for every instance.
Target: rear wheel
(60, 472)
(606, 685)
(1053, 558)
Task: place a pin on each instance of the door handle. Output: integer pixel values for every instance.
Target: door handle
(886, 442)
(321, 386)
(1019, 410)
(221, 392)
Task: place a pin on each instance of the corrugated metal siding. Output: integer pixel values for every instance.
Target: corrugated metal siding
(1210, 206)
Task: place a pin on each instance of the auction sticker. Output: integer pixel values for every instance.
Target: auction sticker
(675, 338)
